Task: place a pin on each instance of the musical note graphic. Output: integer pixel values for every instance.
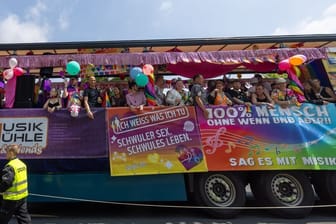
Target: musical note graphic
(231, 145)
(228, 141)
(215, 141)
(254, 149)
(246, 140)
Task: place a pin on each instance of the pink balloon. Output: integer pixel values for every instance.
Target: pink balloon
(147, 69)
(18, 71)
(8, 74)
(284, 65)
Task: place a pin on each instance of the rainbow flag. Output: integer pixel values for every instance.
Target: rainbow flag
(295, 84)
(106, 100)
(150, 91)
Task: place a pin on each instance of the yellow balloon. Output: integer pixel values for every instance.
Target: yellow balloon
(297, 71)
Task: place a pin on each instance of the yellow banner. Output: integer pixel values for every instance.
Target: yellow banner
(156, 140)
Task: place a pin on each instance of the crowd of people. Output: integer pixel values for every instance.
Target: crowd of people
(227, 92)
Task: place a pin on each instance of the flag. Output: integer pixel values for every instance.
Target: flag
(106, 100)
(295, 84)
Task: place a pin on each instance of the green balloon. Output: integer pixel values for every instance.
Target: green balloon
(73, 68)
(141, 80)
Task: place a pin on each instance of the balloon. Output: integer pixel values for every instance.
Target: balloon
(61, 74)
(73, 68)
(148, 69)
(284, 65)
(298, 59)
(8, 74)
(141, 80)
(134, 72)
(13, 62)
(47, 85)
(18, 71)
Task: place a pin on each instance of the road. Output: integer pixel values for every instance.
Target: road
(94, 213)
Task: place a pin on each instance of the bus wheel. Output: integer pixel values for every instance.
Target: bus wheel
(220, 190)
(325, 185)
(286, 189)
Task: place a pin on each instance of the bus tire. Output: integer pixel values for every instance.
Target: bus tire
(220, 190)
(286, 189)
(325, 185)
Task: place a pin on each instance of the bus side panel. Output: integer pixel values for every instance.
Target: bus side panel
(103, 187)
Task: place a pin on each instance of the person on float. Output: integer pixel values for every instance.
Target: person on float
(117, 98)
(238, 94)
(323, 92)
(261, 97)
(199, 94)
(54, 102)
(92, 97)
(177, 96)
(135, 98)
(159, 90)
(310, 95)
(218, 96)
(283, 96)
(70, 88)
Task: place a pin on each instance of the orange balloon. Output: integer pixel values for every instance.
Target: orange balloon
(298, 59)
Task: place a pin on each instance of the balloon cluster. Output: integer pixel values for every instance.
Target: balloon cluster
(13, 70)
(144, 77)
(290, 66)
(139, 76)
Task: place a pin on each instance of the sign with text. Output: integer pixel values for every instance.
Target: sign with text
(40, 134)
(259, 138)
(156, 140)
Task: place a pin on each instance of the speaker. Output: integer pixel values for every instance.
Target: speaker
(24, 94)
(46, 71)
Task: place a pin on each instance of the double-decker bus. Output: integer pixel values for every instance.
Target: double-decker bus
(174, 153)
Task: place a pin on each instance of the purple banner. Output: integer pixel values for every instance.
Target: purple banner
(58, 135)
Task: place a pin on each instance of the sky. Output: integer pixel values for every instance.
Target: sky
(28, 21)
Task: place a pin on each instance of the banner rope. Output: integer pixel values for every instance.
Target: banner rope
(180, 206)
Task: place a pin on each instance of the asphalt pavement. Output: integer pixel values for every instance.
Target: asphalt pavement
(95, 213)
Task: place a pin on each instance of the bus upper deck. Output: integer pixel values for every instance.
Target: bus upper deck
(114, 154)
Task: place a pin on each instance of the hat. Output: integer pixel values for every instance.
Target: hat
(280, 80)
(254, 81)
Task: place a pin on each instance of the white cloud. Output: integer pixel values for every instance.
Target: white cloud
(63, 21)
(34, 12)
(165, 10)
(15, 31)
(166, 7)
(323, 25)
(31, 28)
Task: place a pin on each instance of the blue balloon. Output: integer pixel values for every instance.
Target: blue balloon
(134, 72)
(141, 80)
